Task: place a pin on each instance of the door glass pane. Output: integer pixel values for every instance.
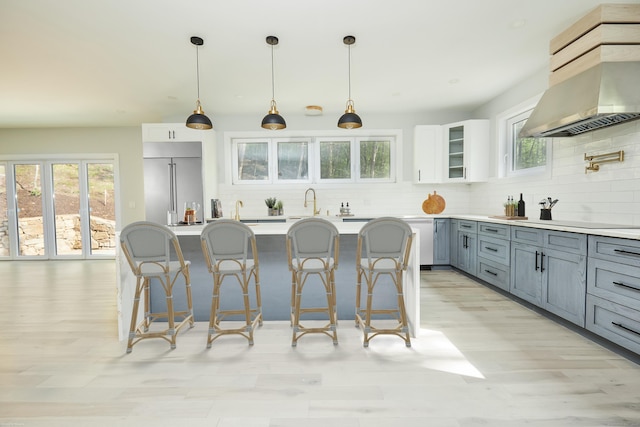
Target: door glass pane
(66, 208)
(293, 160)
(102, 210)
(29, 207)
(335, 160)
(4, 219)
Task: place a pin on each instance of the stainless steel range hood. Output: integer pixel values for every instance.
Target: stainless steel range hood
(603, 95)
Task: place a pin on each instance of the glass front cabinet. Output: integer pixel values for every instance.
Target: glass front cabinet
(466, 151)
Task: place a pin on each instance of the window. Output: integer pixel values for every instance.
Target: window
(521, 156)
(293, 160)
(526, 154)
(335, 159)
(375, 159)
(252, 160)
(313, 159)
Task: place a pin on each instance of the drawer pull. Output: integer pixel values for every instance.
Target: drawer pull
(465, 226)
(491, 249)
(493, 230)
(621, 326)
(626, 286)
(491, 272)
(622, 251)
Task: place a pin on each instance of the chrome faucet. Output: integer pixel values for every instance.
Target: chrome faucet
(239, 204)
(316, 211)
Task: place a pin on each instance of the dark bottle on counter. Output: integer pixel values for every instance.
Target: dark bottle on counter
(521, 206)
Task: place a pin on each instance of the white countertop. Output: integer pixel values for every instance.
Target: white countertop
(559, 225)
(268, 228)
(353, 227)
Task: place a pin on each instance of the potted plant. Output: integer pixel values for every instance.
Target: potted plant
(279, 207)
(271, 206)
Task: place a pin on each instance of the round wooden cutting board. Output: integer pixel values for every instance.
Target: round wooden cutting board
(434, 204)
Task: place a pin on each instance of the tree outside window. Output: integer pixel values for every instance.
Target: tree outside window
(527, 154)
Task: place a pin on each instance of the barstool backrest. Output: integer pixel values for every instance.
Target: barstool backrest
(146, 242)
(386, 237)
(226, 239)
(313, 238)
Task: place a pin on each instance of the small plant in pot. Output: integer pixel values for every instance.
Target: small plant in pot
(280, 207)
(271, 206)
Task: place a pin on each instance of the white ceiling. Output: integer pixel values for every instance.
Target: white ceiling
(124, 62)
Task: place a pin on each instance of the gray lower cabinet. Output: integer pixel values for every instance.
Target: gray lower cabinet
(467, 250)
(494, 254)
(613, 290)
(453, 242)
(548, 269)
(441, 241)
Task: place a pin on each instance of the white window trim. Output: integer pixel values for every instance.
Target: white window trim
(505, 154)
(232, 137)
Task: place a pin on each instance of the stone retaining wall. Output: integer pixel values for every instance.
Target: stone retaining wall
(103, 235)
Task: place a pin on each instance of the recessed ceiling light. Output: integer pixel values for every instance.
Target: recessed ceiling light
(454, 81)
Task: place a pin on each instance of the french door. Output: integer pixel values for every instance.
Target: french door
(57, 209)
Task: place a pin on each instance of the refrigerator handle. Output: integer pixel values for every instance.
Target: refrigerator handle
(172, 186)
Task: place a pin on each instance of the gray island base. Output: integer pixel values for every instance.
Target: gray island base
(275, 280)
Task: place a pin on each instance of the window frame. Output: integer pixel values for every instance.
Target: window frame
(314, 140)
(505, 121)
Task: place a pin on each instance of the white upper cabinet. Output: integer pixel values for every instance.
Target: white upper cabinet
(466, 151)
(456, 152)
(164, 132)
(427, 154)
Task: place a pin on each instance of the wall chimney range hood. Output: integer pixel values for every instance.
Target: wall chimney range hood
(604, 95)
(595, 75)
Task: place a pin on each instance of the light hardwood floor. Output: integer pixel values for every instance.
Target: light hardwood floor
(480, 360)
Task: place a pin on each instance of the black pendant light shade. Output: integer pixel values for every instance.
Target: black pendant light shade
(198, 120)
(349, 120)
(273, 120)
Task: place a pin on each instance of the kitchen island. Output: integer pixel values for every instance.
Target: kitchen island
(275, 278)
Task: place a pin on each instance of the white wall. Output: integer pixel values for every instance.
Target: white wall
(611, 195)
(126, 142)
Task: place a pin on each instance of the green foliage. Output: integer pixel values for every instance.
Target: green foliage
(270, 202)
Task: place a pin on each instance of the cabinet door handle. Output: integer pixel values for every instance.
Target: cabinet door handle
(464, 241)
(541, 262)
(491, 249)
(622, 251)
(491, 272)
(435, 226)
(626, 286)
(537, 253)
(621, 326)
(419, 176)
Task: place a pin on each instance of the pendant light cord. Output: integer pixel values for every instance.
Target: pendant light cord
(273, 90)
(198, 71)
(349, 72)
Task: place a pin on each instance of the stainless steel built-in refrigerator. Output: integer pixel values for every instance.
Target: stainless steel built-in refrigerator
(172, 176)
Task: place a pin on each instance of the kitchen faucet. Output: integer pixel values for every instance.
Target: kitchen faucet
(239, 204)
(316, 211)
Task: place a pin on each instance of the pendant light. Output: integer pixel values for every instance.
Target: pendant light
(349, 120)
(198, 120)
(273, 120)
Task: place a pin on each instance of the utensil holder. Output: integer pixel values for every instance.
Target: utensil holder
(545, 214)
